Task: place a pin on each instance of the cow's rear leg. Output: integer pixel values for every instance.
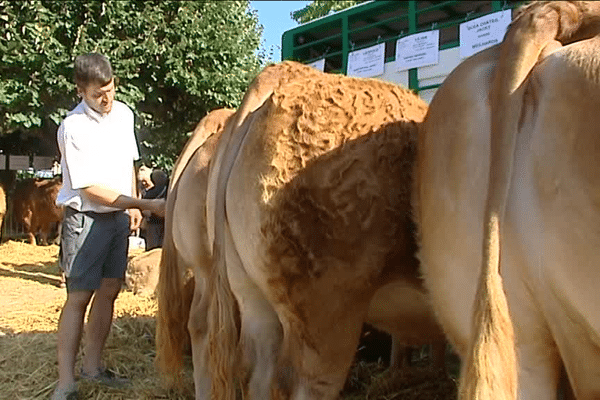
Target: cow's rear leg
(260, 329)
(198, 329)
(539, 361)
(580, 352)
(261, 340)
(317, 355)
(539, 371)
(27, 221)
(400, 355)
(44, 234)
(438, 355)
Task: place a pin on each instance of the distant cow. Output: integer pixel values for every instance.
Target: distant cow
(34, 205)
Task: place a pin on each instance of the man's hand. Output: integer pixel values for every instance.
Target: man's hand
(135, 219)
(157, 207)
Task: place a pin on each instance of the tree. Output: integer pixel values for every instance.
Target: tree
(174, 60)
(321, 8)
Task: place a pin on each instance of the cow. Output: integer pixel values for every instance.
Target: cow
(309, 215)
(411, 326)
(185, 249)
(186, 243)
(34, 205)
(507, 207)
(399, 307)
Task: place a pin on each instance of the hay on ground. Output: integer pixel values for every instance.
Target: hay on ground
(31, 302)
(30, 305)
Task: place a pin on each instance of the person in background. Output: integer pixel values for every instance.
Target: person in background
(56, 168)
(98, 148)
(155, 227)
(144, 178)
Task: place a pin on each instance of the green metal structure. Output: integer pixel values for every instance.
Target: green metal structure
(334, 36)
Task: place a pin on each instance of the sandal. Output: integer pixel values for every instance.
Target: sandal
(106, 377)
(69, 393)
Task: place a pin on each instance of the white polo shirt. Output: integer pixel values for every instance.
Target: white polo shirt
(96, 150)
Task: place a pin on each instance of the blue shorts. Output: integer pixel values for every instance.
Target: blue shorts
(93, 246)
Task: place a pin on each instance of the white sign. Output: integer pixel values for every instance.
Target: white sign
(18, 163)
(319, 64)
(42, 162)
(483, 32)
(418, 50)
(367, 62)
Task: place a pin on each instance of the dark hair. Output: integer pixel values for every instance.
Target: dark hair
(159, 177)
(92, 68)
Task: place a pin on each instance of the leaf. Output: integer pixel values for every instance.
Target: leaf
(176, 60)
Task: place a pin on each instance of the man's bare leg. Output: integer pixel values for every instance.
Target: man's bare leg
(99, 323)
(70, 327)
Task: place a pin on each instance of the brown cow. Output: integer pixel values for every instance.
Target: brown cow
(34, 205)
(399, 307)
(308, 209)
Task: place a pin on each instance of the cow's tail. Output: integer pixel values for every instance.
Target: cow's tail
(173, 308)
(491, 369)
(223, 328)
(223, 312)
(539, 29)
(175, 298)
(223, 320)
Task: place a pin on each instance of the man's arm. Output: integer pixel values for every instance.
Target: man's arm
(108, 197)
(135, 216)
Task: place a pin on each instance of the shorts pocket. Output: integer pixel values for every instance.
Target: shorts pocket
(72, 229)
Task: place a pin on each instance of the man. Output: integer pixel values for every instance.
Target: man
(98, 148)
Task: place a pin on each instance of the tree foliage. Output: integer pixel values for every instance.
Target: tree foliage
(321, 8)
(174, 61)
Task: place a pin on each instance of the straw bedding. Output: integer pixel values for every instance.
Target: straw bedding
(30, 305)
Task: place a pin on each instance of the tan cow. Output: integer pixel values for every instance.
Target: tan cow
(185, 248)
(308, 207)
(521, 119)
(400, 307)
(185, 245)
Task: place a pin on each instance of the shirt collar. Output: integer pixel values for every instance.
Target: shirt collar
(93, 114)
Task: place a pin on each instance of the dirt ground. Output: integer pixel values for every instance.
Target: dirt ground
(30, 305)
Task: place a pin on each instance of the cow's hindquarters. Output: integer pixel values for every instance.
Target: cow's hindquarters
(451, 177)
(555, 213)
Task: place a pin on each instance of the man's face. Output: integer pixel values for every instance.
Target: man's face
(99, 97)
